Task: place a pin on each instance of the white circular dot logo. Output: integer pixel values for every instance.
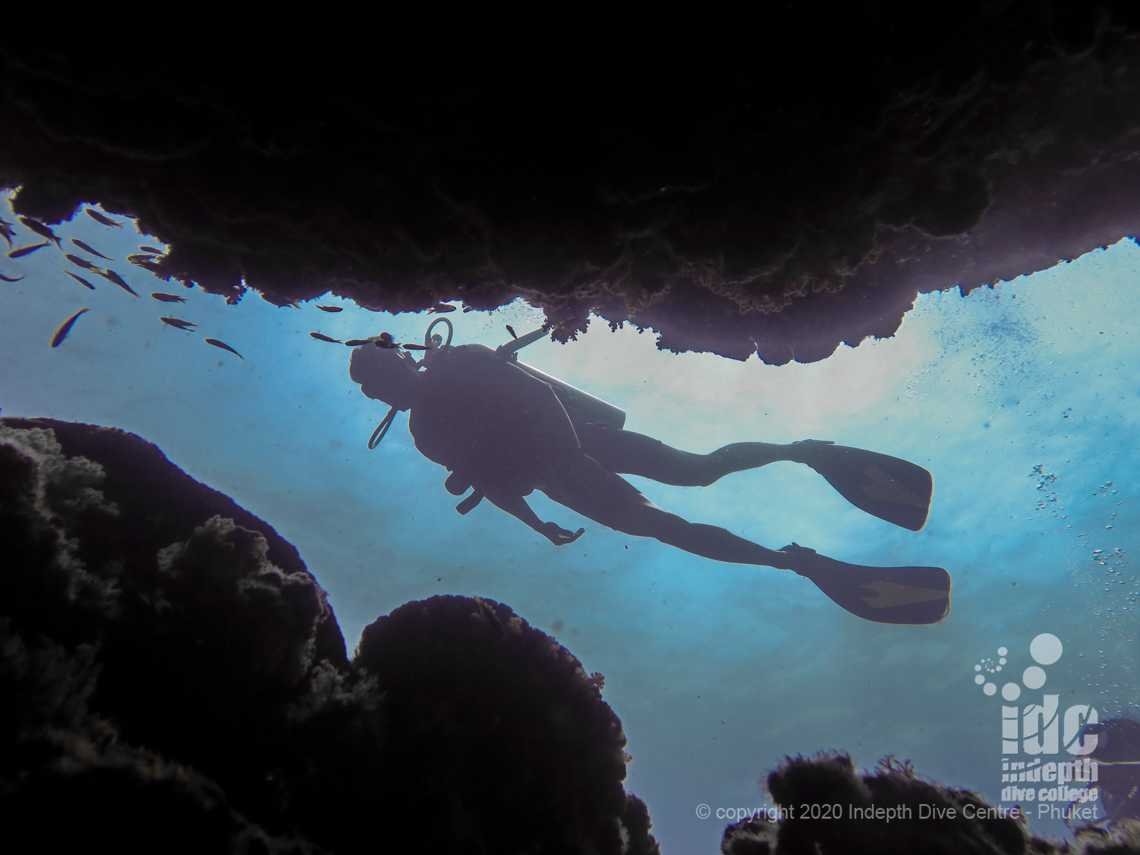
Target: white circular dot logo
(1034, 677)
(1046, 648)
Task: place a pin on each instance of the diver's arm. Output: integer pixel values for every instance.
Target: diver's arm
(517, 507)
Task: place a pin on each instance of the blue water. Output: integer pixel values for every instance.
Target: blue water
(1023, 400)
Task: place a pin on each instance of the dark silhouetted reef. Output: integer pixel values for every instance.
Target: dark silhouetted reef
(174, 681)
(932, 819)
(794, 189)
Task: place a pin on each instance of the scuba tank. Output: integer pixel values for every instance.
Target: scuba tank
(581, 407)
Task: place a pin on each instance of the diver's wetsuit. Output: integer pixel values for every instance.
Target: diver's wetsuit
(505, 433)
(637, 454)
(489, 421)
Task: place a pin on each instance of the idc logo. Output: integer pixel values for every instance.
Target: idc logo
(1033, 731)
(1037, 729)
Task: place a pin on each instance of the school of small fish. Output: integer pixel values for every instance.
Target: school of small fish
(147, 258)
(64, 328)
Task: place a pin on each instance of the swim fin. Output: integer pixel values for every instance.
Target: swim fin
(904, 595)
(892, 489)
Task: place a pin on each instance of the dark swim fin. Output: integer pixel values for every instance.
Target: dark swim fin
(892, 489)
(904, 595)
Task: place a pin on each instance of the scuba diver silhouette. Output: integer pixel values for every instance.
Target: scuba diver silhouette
(504, 429)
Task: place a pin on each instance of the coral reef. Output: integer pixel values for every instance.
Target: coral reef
(175, 680)
(796, 193)
(825, 806)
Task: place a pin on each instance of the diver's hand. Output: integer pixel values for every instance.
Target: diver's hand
(559, 536)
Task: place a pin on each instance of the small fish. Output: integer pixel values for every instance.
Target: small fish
(81, 280)
(7, 232)
(86, 247)
(40, 229)
(65, 328)
(441, 308)
(217, 343)
(168, 298)
(145, 261)
(153, 250)
(178, 323)
(511, 330)
(386, 341)
(101, 218)
(330, 308)
(416, 347)
(322, 337)
(82, 262)
(20, 252)
(112, 276)
(357, 342)
(10, 278)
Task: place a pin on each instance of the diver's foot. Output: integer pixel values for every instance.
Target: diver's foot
(805, 561)
(890, 488)
(902, 595)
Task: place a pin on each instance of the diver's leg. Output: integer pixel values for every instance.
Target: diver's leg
(637, 454)
(595, 492)
(890, 488)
